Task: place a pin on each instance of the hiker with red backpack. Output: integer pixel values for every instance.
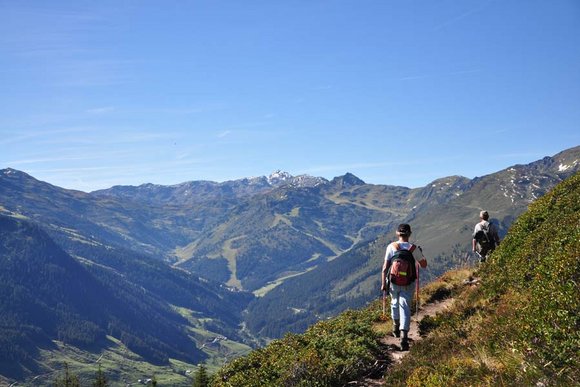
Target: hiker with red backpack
(398, 277)
(485, 237)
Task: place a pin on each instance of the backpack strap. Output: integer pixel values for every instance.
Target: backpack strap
(397, 247)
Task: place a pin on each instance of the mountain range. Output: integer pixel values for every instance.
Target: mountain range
(248, 259)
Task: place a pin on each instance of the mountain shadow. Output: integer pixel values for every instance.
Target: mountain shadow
(47, 295)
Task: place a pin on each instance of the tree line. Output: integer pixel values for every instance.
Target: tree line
(67, 378)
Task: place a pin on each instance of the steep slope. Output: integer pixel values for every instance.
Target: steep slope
(47, 295)
(521, 326)
(516, 325)
(443, 229)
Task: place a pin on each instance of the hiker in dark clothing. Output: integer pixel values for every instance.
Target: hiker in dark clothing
(485, 237)
(398, 277)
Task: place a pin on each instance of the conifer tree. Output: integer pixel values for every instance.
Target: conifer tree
(68, 379)
(201, 378)
(100, 379)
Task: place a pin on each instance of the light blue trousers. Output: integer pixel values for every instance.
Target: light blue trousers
(401, 298)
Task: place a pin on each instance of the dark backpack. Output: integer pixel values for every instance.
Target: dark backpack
(483, 237)
(403, 271)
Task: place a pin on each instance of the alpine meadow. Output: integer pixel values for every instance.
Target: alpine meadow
(275, 281)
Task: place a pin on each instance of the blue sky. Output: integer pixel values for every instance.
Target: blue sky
(99, 93)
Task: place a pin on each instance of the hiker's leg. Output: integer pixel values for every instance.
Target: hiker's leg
(394, 302)
(483, 255)
(405, 298)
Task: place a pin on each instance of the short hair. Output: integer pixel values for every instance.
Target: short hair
(404, 229)
(484, 215)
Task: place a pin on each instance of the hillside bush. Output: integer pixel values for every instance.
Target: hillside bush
(329, 353)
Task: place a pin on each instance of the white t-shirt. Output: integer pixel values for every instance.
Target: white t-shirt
(402, 246)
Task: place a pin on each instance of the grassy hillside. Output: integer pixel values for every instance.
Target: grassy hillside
(519, 327)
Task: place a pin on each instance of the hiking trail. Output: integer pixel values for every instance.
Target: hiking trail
(394, 354)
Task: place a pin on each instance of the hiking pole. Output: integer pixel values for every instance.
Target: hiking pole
(384, 303)
(388, 286)
(417, 282)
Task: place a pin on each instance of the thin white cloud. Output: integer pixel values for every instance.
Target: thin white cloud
(322, 88)
(11, 137)
(438, 75)
(225, 133)
(463, 15)
(92, 177)
(17, 163)
(413, 77)
(53, 42)
(77, 155)
(187, 110)
(101, 110)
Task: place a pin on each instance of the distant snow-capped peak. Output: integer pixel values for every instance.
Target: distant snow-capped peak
(278, 177)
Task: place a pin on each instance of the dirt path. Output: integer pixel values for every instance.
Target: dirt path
(395, 355)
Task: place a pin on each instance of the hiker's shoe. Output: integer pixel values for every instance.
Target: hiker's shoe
(405, 344)
(396, 330)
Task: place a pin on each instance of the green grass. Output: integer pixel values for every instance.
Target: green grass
(271, 285)
(218, 351)
(120, 365)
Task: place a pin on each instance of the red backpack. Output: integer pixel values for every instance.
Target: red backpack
(403, 271)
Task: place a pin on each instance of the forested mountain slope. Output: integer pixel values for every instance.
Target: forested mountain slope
(47, 295)
(48, 298)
